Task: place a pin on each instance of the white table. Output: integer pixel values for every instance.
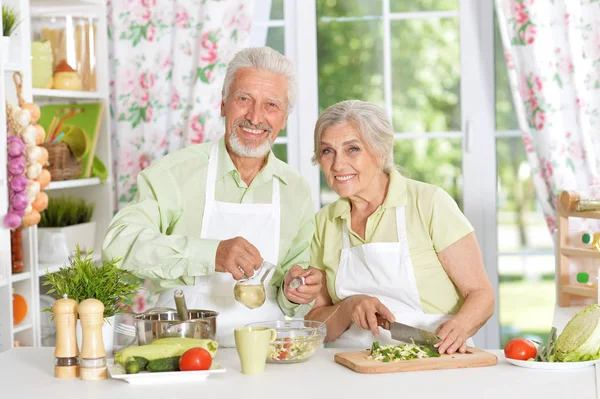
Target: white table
(29, 373)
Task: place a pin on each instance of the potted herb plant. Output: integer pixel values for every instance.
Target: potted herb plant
(10, 21)
(64, 225)
(82, 278)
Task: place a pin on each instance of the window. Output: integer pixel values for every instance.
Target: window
(268, 29)
(404, 57)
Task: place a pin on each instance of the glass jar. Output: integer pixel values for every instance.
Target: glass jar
(72, 38)
(42, 64)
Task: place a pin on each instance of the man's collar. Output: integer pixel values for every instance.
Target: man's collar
(272, 168)
(396, 196)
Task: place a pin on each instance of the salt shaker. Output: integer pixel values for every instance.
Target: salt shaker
(66, 352)
(93, 355)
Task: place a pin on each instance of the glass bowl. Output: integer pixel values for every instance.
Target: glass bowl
(297, 340)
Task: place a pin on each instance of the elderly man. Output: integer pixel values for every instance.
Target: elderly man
(210, 214)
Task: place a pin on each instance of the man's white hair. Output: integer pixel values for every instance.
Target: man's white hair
(372, 124)
(263, 58)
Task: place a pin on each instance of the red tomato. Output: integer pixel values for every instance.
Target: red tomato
(520, 349)
(195, 359)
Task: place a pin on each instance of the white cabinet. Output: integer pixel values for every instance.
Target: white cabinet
(28, 283)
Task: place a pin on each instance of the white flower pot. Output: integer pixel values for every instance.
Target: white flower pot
(108, 333)
(55, 244)
(5, 49)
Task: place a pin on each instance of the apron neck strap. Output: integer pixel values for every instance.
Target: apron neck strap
(211, 174)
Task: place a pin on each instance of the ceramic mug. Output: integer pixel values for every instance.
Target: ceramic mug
(252, 345)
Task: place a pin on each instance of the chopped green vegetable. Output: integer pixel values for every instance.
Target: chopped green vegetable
(391, 353)
(293, 349)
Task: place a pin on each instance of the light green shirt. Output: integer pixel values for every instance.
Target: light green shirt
(157, 235)
(433, 222)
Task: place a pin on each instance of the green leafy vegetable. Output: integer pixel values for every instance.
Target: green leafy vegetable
(580, 340)
(546, 353)
(392, 353)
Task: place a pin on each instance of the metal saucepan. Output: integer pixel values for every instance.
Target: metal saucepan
(163, 323)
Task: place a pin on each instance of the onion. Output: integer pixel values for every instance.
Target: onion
(23, 117)
(19, 212)
(34, 171)
(31, 218)
(43, 160)
(12, 221)
(29, 135)
(33, 153)
(40, 136)
(16, 166)
(18, 183)
(28, 209)
(15, 146)
(32, 190)
(19, 201)
(34, 111)
(41, 201)
(44, 179)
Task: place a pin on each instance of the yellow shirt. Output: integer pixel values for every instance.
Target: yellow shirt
(433, 222)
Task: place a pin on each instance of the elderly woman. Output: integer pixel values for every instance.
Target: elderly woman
(390, 246)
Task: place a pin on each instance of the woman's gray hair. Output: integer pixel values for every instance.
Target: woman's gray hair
(371, 122)
(263, 58)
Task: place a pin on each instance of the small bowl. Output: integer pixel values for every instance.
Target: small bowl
(297, 340)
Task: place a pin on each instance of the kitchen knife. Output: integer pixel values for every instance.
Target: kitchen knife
(408, 334)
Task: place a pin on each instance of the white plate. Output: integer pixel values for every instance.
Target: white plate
(117, 371)
(552, 365)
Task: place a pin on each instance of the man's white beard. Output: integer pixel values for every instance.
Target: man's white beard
(249, 152)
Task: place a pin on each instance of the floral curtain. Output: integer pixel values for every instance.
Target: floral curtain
(552, 51)
(168, 61)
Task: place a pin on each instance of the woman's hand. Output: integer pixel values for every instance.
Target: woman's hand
(454, 337)
(308, 291)
(363, 310)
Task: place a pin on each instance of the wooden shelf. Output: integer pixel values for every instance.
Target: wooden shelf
(585, 215)
(62, 184)
(581, 290)
(90, 95)
(12, 67)
(20, 276)
(46, 268)
(580, 252)
(22, 327)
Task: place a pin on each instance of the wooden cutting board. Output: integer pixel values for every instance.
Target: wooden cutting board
(358, 362)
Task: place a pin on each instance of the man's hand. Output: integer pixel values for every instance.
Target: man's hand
(307, 292)
(363, 310)
(238, 257)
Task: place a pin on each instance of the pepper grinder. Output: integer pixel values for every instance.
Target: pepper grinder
(66, 353)
(93, 354)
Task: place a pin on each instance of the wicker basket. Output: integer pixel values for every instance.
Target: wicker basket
(62, 163)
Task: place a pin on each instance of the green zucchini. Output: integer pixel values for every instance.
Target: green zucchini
(149, 352)
(165, 364)
(189, 343)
